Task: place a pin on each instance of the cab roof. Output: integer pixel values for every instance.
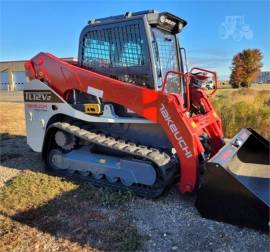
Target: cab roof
(154, 18)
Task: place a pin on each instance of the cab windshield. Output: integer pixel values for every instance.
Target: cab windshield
(166, 58)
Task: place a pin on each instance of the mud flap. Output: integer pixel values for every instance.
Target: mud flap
(236, 183)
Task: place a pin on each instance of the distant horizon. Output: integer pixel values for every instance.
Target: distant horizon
(220, 77)
(216, 31)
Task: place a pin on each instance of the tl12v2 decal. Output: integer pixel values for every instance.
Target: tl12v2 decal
(41, 96)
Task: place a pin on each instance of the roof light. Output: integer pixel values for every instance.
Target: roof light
(180, 26)
(162, 19)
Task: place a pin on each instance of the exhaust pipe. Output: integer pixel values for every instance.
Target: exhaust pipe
(236, 184)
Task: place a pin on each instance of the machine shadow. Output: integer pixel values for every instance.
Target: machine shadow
(16, 154)
(81, 216)
(6, 136)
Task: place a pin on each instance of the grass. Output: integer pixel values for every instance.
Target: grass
(115, 198)
(243, 108)
(12, 118)
(31, 189)
(80, 213)
(6, 225)
(263, 86)
(39, 212)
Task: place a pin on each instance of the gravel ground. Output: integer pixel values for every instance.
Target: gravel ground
(170, 223)
(173, 223)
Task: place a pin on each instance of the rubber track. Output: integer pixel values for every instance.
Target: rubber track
(154, 155)
(141, 151)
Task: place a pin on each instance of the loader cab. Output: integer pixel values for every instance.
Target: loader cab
(137, 48)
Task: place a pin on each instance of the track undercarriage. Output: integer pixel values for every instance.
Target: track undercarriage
(110, 162)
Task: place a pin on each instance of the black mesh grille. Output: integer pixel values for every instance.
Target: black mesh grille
(113, 47)
(119, 51)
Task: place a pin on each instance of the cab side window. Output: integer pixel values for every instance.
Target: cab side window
(119, 52)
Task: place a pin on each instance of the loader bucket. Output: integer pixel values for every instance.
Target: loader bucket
(236, 184)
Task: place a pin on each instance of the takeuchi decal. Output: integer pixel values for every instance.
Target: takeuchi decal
(173, 128)
(37, 106)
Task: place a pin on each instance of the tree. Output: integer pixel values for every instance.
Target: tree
(246, 67)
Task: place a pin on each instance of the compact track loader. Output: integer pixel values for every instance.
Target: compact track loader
(129, 115)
